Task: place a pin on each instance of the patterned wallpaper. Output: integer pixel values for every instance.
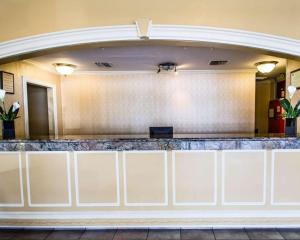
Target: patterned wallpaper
(130, 102)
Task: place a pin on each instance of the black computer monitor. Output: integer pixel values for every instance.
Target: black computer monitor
(161, 132)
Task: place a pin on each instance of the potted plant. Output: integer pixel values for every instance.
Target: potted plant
(290, 113)
(8, 117)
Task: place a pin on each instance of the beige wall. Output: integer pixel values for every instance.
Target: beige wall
(30, 17)
(291, 66)
(129, 102)
(31, 72)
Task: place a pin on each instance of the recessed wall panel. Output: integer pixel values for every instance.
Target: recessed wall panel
(11, 189)
(243, 177)
(285, 177)
(48, 179)
(145, 178)
(97, 178)
(194, 177)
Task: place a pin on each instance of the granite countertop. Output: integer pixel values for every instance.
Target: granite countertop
(227, 141)
(126, 137)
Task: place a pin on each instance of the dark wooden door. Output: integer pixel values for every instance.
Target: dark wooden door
(38, 110)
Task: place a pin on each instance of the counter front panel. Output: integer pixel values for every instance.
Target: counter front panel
(203, 187)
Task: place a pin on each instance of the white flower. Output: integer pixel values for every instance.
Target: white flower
(16, 106)
(291, 89)
(2, 95)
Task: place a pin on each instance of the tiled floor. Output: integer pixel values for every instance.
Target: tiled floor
(152, 234)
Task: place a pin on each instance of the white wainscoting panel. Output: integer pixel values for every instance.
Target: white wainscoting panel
(96, 178)
(194, 178)
(145, 178)
(11, 180)
(285, 177)
(48, 179)
(244, 175)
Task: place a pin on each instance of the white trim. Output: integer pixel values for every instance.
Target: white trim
(151, 226)
(214, 202)
(226, 36)
(67, 38)
(148, 204)
(157, 214)
(25, 102)
(30, 204)
(273, 178)
(263, 202)
(143, 26)
(157, 32)
(101, 73)
(21, 204)
(108, 204)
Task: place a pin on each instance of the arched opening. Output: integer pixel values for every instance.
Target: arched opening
(197, 34)
(192, 48)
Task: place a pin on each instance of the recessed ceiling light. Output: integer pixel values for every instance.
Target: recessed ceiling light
(64, 68)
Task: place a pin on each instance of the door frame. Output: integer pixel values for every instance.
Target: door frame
(25, 81)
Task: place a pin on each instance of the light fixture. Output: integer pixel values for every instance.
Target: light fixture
(167, 66)
(266, 66)
(291, 90)
(64, 68)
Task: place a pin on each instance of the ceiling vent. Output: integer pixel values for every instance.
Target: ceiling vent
(218, 62)
(103, 64)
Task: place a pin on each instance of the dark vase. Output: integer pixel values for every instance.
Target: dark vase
(8, 130)
(291, 126)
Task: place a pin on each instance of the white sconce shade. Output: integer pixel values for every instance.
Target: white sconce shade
(64, 68)
(291, 90)
(266, 66)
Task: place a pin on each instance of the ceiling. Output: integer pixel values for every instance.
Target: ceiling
(145, 58)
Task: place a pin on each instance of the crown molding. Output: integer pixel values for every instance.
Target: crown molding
(237, 37)
(262, 41)
(67, 38)
(212, 71)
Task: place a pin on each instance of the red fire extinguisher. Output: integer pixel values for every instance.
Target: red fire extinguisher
(276, 122)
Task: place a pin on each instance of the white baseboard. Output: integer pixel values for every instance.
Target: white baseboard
(150, 219)
(150, 215)
(104, 227)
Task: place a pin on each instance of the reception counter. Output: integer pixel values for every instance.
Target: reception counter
(120, 181)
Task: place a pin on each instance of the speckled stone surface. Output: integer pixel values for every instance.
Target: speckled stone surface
(200, 142)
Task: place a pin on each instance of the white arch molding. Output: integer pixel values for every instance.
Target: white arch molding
(262, 41)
